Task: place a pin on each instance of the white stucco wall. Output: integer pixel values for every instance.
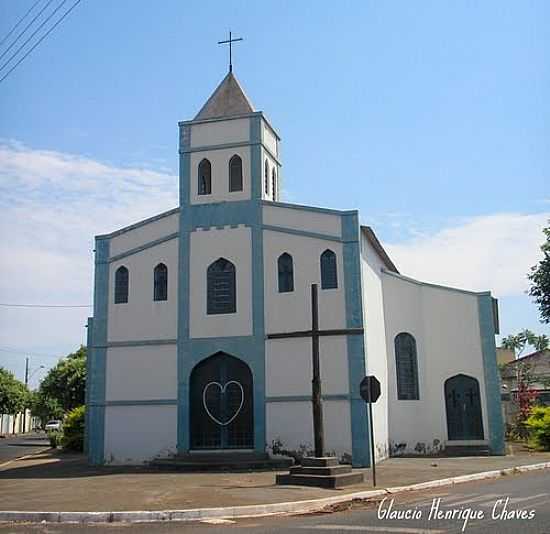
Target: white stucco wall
(219, 160)
(286, 312)
(292, 424)
(309, 221)
(233, 244)
(375, 341)
(136, 434)
(445, 324)
(265, 155)
(141, 317)
(269, 138)
(220, 132)
(141, 373)
(144, 234)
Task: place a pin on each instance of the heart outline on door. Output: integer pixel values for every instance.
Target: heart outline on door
(222, 390)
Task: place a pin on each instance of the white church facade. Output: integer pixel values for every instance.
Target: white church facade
(179, 355)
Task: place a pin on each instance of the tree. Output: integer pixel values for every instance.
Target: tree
(540, 280)
(14, 395)
(44, 407)
(526, 337)
(65, 384)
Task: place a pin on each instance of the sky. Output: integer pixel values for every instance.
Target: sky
(431, 118)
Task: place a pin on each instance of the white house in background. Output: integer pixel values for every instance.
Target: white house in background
(179, 358)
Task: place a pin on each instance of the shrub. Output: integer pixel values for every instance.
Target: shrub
(73, 430)
(538, 424)
(55, 438)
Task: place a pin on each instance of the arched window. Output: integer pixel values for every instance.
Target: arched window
(329, 275)
(274, 183)
(266, 178)
(406, 367)
(221, 292)
(286, 273)
(205, 177)
(160, 276)
(235, 174)
(121, 285)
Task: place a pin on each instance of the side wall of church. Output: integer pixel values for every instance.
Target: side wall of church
(288, 361)
(446, 326)
(134, 370)
(375, 341)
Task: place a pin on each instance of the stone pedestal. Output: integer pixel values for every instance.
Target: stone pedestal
(322, 473)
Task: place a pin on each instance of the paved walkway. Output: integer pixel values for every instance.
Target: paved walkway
(57, 481)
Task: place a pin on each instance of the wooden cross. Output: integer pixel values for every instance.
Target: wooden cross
(230, 41)
(315, 334)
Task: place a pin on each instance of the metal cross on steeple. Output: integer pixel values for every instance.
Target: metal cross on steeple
(230, 41)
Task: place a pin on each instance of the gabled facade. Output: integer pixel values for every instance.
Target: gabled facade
(179, 358)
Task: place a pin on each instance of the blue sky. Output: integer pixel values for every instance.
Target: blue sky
(432, 118)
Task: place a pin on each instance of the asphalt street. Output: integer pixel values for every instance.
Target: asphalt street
(497, 506)
(11, 448)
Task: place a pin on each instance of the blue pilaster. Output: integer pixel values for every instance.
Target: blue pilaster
(356, 344)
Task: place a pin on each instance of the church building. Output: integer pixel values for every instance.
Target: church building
(183, 355)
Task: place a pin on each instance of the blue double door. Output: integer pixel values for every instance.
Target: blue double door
(463, 406)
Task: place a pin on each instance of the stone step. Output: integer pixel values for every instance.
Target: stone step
(323, 471)
(466, 450)
(331, 482)
(327, 461)
(221, 462)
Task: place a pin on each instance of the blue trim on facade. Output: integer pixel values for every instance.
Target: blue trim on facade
(307, 398)
(138, 343)
(143, 247)
(304, 233)
(303, 207)
(98, 355)
(356, 344)
(491, 374)
(250, 349)
(144, 402)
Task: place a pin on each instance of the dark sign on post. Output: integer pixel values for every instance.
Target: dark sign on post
(369, 390)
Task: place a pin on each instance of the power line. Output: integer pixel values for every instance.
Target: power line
(18, 22)
(40, 40)
(26, 353)
(46, 305)
(26, 28)
(32, 35)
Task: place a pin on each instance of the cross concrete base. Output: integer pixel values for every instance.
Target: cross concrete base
(322, 473)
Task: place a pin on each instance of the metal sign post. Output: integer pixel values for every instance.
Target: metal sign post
(370, 392)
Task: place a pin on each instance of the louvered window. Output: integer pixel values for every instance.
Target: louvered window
(266, 178)
(286, 273)
(406, 365)
(205, 178)
(160, 276)
(121, 285)
(274, 183)
(329, 275)
(221, 291)
(235, 174)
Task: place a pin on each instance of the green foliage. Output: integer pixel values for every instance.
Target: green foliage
(55, 438)
(45, 407)
(538, 425)
(73, 429)
(540, 280)
(66, 382)
(526, 337)
(14, 396)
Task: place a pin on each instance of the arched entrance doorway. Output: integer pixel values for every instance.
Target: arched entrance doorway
(221, 404)
(463, 406)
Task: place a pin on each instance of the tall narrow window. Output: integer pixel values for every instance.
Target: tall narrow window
(406, 367)
(266, 178)
(274, 183)
(121, 285)
(235, 174)
(286, 273)
(160, 276)
(205, 178)
(329, 275)
(221, 291)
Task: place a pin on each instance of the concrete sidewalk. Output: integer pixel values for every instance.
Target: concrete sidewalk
(57, 481)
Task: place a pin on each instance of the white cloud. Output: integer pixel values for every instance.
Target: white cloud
(491, 252)
(51, 206)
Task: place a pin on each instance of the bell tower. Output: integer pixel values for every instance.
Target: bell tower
(229, 152)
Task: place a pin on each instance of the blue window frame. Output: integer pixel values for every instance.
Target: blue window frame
(235, 174)
(160, 277)
(406, 367)
(121, 285)
(221, 291)
(205, 177)
(329, 270)
(285, 269)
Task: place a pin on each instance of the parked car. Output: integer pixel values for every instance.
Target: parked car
(54, 424)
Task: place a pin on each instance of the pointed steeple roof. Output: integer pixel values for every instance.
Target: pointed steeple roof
(228, 99)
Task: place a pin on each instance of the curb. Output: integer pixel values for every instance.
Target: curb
(255, 510)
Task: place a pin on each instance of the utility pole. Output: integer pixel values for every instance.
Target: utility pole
(26, 387)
